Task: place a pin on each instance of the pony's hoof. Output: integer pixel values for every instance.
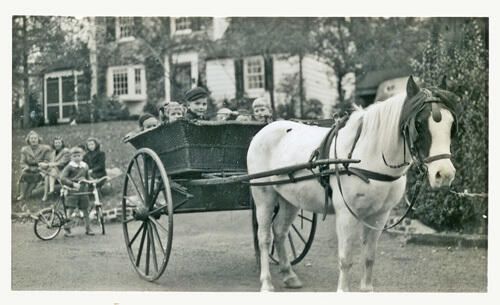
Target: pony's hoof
(293, 282)
(267, 288)
(366, 288)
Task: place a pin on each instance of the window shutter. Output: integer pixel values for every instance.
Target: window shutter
(238, 76)
(110, 29)
(137, 26)
(195, 24)
(268, 73)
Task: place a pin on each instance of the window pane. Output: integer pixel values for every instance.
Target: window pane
(68, 111)
(120, 83)
(255, 73)
(126, 26)
(182, 23)
(83, 88)
(68, 88)
(137, 73)
(53, 111)
(52, 90)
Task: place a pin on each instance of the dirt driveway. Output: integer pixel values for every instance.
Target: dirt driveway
(214, 252)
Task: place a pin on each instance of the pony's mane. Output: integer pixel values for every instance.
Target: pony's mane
(384, 120)
(381, 119)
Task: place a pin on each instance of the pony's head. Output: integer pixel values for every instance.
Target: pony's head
(428, 122)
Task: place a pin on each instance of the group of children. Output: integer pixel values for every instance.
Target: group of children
(196, 109)
(69, 166)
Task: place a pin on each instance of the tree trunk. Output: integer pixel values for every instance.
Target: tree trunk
(269, 80)
(26, 112)
(301, 86)
(339, 87)
(271, 97)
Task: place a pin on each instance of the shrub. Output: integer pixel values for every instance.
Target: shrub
(461, 55)
(108, 109)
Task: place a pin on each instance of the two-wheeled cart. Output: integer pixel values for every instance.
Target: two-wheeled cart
(187, 167)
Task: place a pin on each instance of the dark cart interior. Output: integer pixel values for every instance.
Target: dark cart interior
(193, 150)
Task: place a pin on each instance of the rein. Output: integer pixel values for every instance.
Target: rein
(324, 176)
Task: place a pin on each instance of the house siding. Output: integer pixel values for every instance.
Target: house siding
(282, 68)
(221, 79)
(320, 83)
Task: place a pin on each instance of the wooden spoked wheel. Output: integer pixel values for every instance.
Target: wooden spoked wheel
(300, 236)
(147, 214)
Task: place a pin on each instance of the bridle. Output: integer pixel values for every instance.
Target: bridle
(409, 132)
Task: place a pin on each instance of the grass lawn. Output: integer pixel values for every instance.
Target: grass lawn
(118, 154)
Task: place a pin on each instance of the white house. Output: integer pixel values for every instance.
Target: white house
(226, 76)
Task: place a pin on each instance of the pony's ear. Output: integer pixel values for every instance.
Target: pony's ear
(444, 83)
(411, 87)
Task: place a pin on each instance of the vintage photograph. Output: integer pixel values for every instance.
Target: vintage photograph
(247, 154)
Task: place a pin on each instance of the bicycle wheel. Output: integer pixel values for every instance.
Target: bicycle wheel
(48, 224)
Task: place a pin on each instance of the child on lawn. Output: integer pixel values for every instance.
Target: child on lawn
(73, 173)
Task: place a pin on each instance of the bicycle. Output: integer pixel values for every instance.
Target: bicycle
(49, 221)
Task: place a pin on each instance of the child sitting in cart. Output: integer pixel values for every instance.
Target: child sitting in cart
(197, 104)
(71, 175)
(262, 111)
(174, 111)
(147, 120)
(225, 114)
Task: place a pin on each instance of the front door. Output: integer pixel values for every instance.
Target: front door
(181, 81)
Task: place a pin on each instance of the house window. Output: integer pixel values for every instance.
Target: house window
(182, 23)
(187, 25)
(254, 73)
(125, 28)
(120, 82)
(65, 92)
(127, 82)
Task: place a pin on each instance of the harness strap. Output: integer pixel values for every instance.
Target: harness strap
(369, 175)
(324, 152)
(356, 138)
(361, 174)
(437, 157)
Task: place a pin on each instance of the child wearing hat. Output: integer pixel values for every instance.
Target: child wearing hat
(262, 111)
(225, 114)
(147, 120)
(197, 102)
(72, 174)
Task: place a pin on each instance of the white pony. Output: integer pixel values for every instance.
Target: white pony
(285, 143)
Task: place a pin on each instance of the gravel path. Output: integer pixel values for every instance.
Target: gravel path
(214, 252)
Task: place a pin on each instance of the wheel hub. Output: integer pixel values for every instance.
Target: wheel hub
(141, 213)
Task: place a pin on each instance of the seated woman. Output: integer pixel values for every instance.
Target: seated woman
(95, 159)
(60, 157)
(33, 157)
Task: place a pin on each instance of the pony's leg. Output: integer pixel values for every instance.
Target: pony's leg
(369, 240)
(281, 228)
(346, 235)
(265, 200)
